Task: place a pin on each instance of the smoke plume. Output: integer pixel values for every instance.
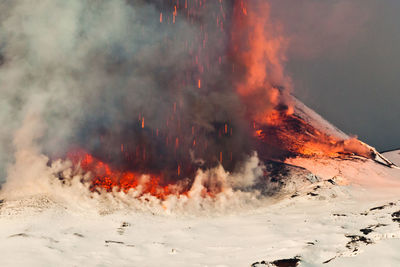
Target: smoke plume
(170, 92)
(148, 86)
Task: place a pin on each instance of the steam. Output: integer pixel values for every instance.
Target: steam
(30, 168)
(34, 176)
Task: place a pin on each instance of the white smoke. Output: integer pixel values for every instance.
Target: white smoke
(33, 175)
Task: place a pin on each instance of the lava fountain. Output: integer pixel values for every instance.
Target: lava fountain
(223, 93)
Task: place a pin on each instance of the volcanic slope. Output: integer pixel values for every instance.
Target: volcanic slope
(347, 216)
(310, 210)
(393, 156)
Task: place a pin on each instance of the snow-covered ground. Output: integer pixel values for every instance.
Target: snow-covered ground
(347, 218)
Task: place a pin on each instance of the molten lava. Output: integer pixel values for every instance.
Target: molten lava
(105, 177)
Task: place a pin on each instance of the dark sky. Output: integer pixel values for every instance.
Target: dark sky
(344, 60)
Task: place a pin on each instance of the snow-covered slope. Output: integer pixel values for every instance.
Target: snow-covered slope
(315, 120)
(351, 145)
(348, 217)
(393, 156)
(320, 211)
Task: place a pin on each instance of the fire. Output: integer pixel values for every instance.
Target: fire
(294, 135)
(259, 48)
(107, 178)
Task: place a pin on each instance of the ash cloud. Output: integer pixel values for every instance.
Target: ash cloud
(95, 71)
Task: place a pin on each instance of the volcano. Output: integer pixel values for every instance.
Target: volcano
(316, 210)
(221, 96)
(167, 132)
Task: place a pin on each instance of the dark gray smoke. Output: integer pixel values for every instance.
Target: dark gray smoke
(109, 77)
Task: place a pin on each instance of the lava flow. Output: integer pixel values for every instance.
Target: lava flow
(106, 178)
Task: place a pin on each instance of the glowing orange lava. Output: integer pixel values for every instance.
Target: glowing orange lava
(259, 50)
(291, 133)
(107, 178)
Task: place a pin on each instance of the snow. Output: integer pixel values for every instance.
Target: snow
(393, 156)
(68, 227)
(384, 253)
(338, 211)
(352, 171)
(315, 120)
